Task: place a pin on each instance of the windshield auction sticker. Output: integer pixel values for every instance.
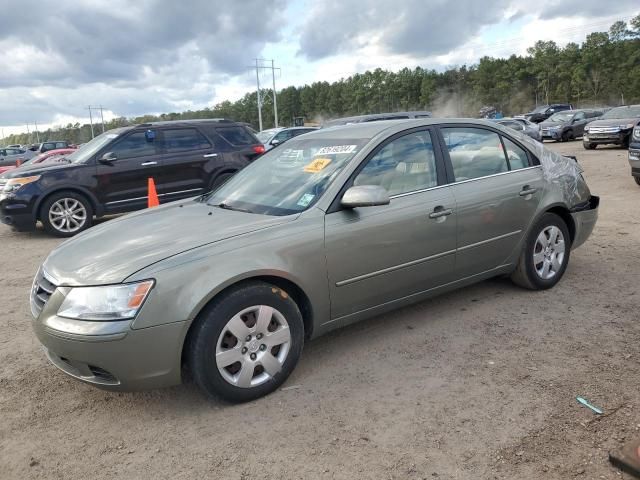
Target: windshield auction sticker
(336, 149)
(317, 164)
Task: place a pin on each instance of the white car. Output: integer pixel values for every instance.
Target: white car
(275, 136)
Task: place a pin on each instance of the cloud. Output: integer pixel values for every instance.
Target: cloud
(412, 27)
(69, 41)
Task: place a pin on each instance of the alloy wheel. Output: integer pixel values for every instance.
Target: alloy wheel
(67, 215)
(549, 252)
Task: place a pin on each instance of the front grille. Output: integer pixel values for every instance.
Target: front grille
(43, 287)
(603, 130)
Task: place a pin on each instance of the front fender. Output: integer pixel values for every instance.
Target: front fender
(187, 282)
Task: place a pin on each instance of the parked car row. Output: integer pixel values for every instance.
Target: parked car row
(50, 156)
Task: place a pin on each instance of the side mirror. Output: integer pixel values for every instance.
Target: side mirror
(365, 196)
(275, 142)
(108, 158)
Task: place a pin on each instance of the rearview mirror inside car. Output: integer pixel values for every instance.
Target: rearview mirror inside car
(108, 157)
(365, 196)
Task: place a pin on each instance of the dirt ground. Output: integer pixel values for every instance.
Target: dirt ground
(480, 383)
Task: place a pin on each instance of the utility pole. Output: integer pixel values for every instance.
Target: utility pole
(37, 134)
(259, 101)
(91, 121)
(28, 133)
(273, 69)
(275, 102)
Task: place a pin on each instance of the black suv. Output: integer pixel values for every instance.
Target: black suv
(540, 114)
(614, 127)
(110, 173)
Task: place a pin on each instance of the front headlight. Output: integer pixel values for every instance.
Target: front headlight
(111, 302)
(14, 184)
(625, 127)
(636, 133)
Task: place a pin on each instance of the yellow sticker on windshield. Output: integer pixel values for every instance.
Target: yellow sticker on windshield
(317, 164)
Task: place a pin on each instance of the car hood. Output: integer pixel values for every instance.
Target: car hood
(547, 124)
(36, 169)
(612, 122)
(113, 251)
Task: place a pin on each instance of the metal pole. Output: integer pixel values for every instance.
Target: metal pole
(259, 103)
(37, 134)
(28, 133)
(275, 102)
(91, 121)
(102, 118)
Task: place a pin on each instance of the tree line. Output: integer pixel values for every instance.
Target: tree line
(603, 70)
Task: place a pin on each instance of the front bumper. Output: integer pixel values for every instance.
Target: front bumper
(584, 217)
(618, 138)
(16, 214)
(110, 355)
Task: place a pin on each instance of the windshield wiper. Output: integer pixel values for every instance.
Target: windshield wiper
(226, 206)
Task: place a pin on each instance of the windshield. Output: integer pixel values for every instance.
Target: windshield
(265, 135)
(623, 112)
(87, 150)
(541, 109)
(289, 180)
(561, 117)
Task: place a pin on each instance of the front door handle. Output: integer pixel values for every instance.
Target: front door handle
(526, 190)
(147, 164)
(209, 155)
(440, 211)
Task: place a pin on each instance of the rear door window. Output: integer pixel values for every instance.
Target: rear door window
(474, 152)
(183, 139)
(517, 156)
(237, 135)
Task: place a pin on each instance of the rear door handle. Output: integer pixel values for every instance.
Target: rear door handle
(440, 211)
(209, 155)
(146, 164)
(526, 190)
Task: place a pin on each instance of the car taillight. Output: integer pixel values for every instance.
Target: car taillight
(259, 149)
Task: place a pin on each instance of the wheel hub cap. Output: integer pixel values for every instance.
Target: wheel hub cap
(253, 346)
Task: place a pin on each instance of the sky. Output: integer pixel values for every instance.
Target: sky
(155, 56)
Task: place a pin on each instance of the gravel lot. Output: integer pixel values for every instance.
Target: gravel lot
(480, 383)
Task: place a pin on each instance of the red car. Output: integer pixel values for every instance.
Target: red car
(49, 156)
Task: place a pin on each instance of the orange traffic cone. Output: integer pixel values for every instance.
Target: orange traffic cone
(152, 198)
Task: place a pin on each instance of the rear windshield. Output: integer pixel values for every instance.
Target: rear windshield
(237, 135)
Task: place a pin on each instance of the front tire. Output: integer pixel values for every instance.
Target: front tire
(246, 343)
(637, 179)
(545, 255)
(65, 214)
(589, 146)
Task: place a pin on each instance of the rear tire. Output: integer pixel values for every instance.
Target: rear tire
(66, 213)
(232, 351)
(545, 254)
(637, 179)
(589, 146)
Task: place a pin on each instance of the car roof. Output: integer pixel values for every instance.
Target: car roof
(161, 123)
(371, 129)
